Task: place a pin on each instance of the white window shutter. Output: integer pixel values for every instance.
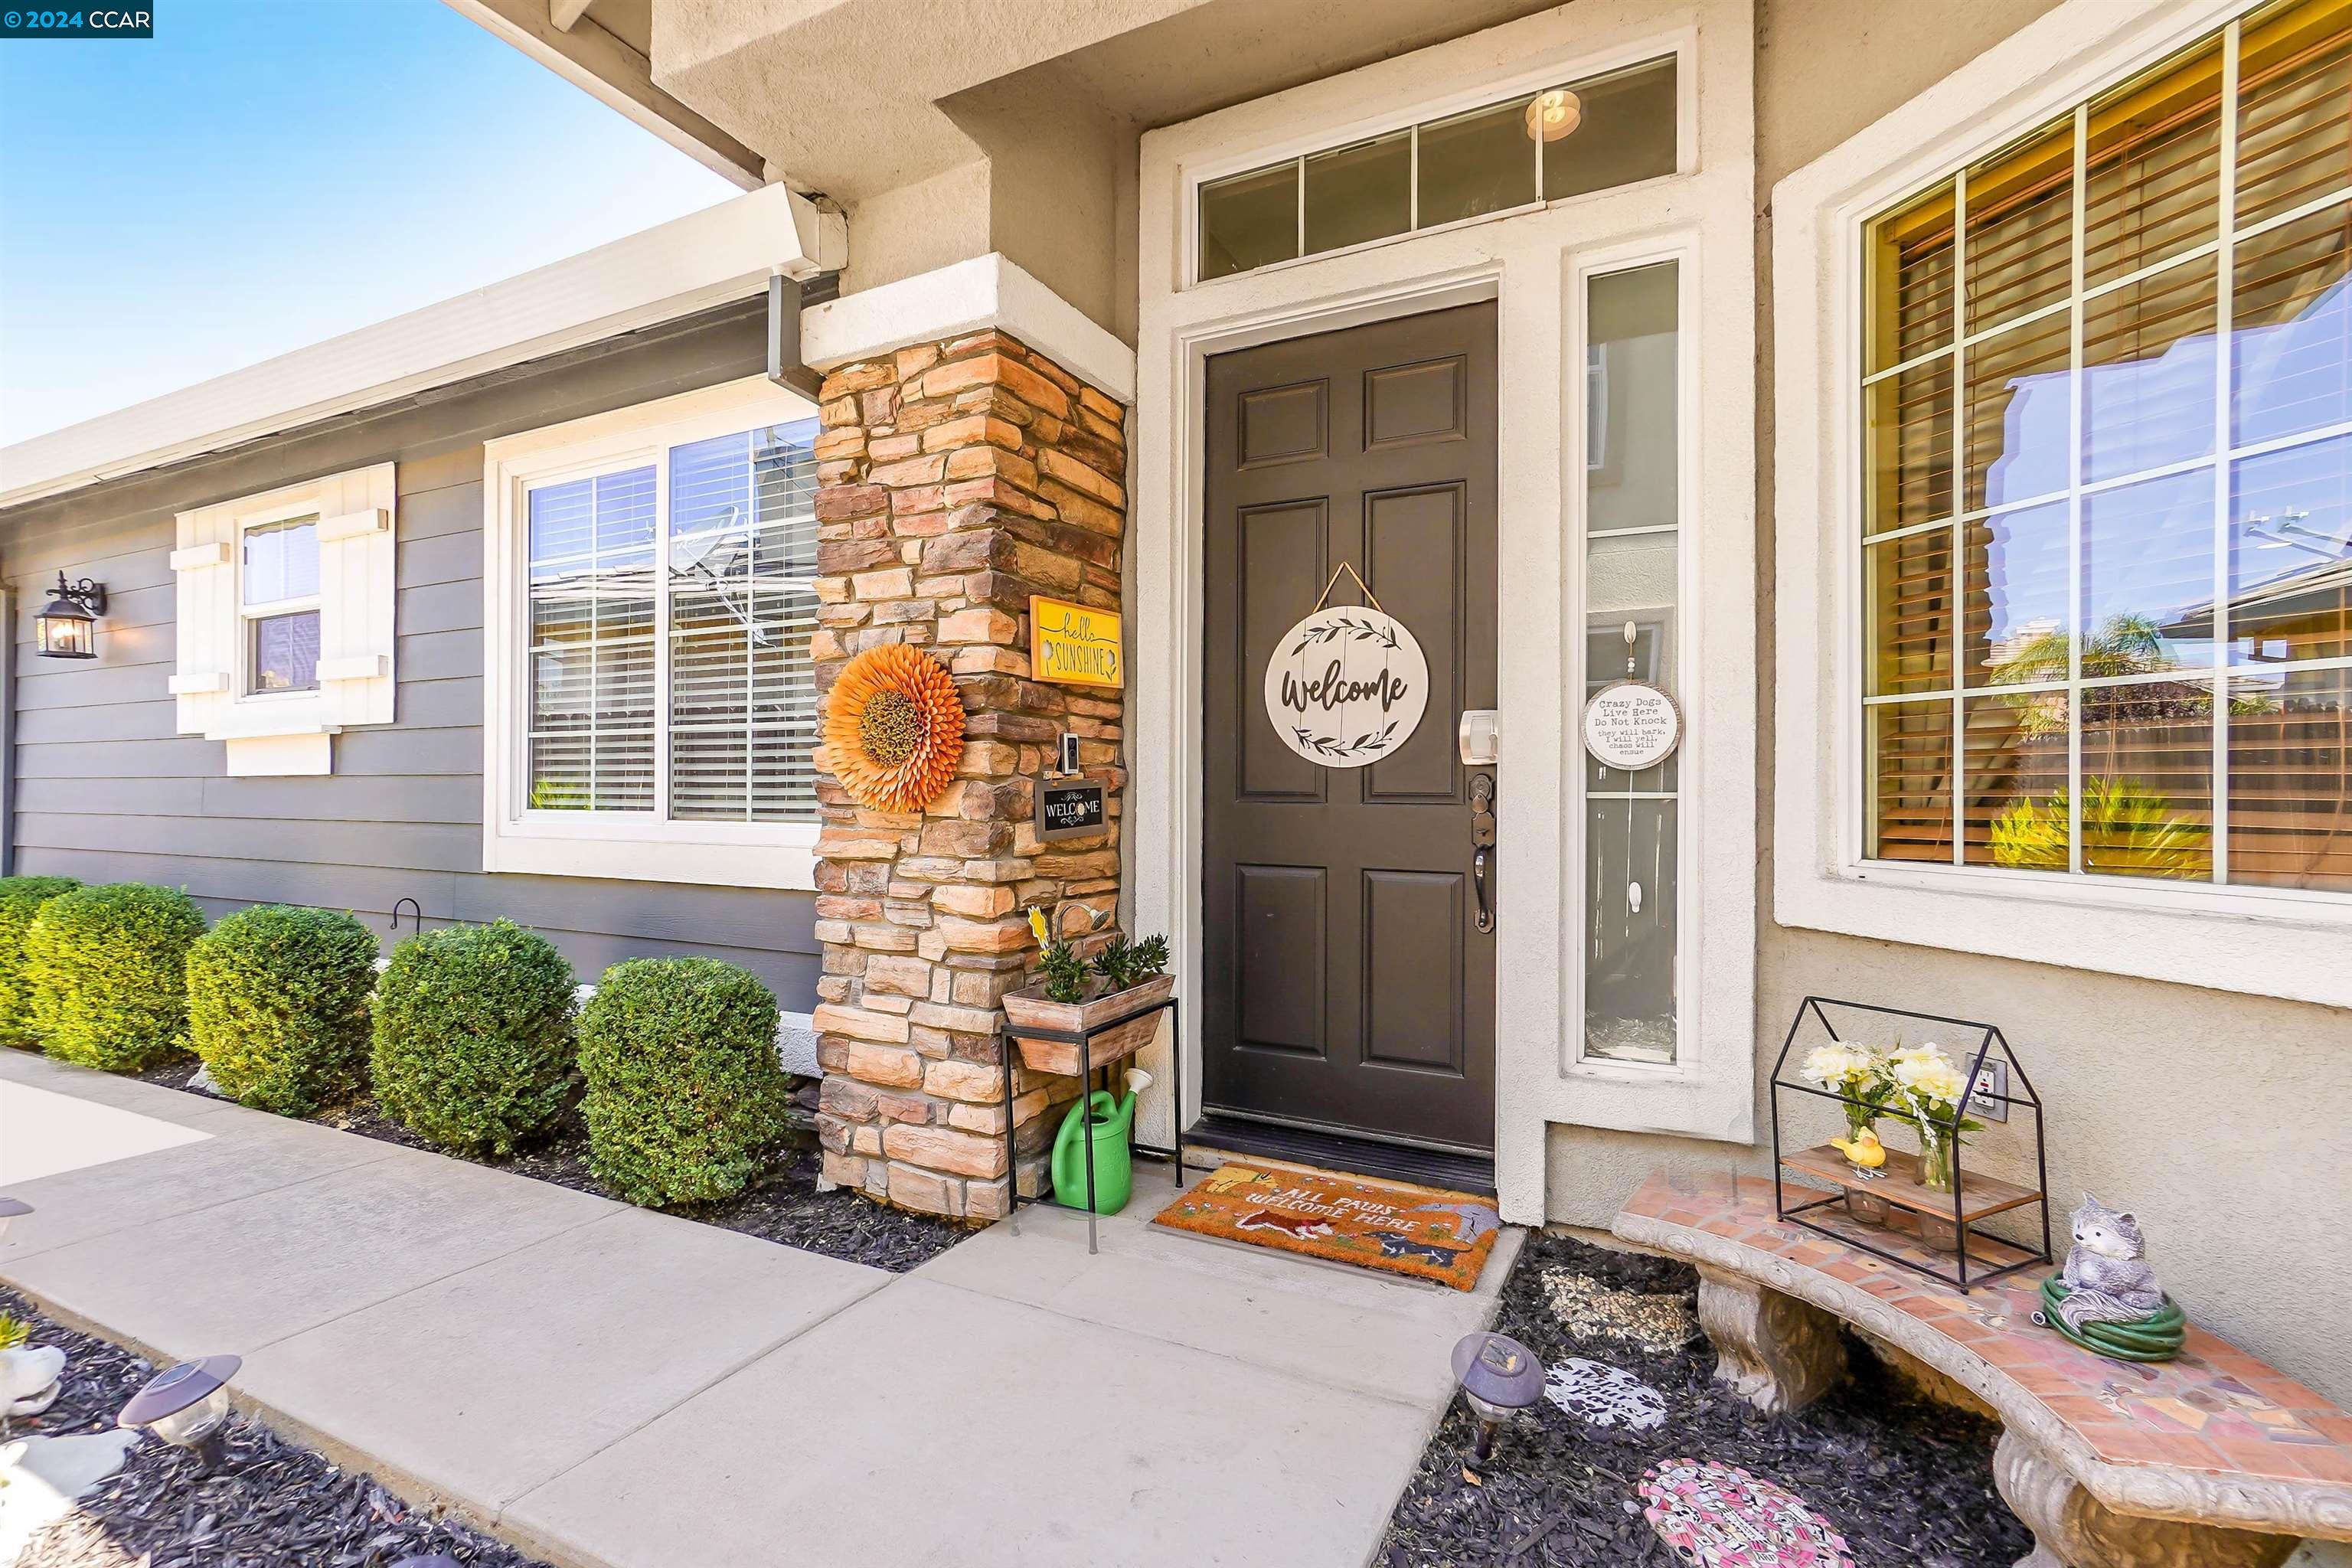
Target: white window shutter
(290, 733)
(356, 591)
(206, 612)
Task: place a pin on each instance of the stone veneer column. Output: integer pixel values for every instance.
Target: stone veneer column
(957, 478)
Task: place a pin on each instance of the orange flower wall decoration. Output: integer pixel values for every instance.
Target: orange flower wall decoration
(893, 728)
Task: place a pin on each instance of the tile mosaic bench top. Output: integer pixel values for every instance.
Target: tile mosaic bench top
(2143, 1437)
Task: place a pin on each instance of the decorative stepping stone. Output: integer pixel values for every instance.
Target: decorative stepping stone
(1587, 1307)
(1719, 1516)
(40, 1477)
(1604, 1395)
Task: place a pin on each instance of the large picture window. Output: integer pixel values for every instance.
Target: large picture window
(704, 585)
(658, 578)
(2107, 487)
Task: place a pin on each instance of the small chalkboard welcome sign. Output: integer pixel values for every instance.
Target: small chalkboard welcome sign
(1070, 808)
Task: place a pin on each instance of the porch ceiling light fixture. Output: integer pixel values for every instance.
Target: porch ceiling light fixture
(893, 731)
(1555, 114)
(67, 628)
(1500, 1377)
(186, 1405)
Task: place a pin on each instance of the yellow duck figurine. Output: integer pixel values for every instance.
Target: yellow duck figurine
(1864, 1150)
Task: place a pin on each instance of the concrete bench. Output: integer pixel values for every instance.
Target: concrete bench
(2212, 1460)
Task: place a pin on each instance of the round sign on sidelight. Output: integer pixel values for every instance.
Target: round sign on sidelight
(1632, 725)
(1345, 686)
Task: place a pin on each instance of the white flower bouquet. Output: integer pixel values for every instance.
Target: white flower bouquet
(1928, 1089)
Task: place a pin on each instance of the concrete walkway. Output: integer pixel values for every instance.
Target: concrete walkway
(616, 1389)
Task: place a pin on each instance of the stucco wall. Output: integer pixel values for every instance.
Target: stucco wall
(2224, 1120)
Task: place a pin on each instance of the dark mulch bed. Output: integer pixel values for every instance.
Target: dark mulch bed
(1908, 1481)
(270, 1505)
(782, 1206)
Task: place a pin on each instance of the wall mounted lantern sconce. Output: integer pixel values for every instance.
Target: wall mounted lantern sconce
(67, 628)
(187, 1406)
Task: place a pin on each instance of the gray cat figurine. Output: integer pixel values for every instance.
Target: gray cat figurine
(2107, 1273)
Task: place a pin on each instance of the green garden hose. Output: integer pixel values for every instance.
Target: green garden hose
(2157, 1337)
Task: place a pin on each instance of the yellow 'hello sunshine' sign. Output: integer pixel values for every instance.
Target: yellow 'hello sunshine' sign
(1074, 644)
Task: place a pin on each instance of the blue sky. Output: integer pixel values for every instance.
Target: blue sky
(265, 174)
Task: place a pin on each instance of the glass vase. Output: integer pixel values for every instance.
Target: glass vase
(1937, 1147)
(1859, 1118)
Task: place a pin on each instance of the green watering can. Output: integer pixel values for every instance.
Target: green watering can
(1112, 1120)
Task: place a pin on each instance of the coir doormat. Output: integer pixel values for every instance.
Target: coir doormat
(1422, 1231)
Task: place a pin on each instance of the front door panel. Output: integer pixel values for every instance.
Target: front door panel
(1345, 982)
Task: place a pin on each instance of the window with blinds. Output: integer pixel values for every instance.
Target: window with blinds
(670, 606)
(2106, 477)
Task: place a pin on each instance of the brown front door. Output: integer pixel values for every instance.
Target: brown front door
(1346, 984)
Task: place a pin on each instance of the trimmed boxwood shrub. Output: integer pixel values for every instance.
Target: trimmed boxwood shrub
(108, 968)
(684, 1093)
(278, 1005)
(473, 1035)
(21, 899)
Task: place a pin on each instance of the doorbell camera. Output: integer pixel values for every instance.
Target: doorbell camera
(1481, 737)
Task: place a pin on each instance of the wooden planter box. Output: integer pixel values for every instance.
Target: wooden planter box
(1114, 1030)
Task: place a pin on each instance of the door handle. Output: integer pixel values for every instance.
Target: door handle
(1482, 840)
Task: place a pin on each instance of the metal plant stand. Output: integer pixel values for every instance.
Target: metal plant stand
(1943, 1225)
(1009, 1049)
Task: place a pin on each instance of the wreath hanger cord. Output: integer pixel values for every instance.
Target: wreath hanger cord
(1362, 586)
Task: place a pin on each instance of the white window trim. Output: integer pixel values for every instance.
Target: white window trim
(2264, 941)
(1522, 261)
(288, 732)
(589, 844)
(241, 670)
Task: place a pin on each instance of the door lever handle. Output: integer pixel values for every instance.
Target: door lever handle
(1482, 838)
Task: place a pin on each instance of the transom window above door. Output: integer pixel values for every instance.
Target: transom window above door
(1517, 153)
(653, 590)
(2107, 483)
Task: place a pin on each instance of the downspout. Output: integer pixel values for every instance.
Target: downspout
(824, 232)
(785, 298)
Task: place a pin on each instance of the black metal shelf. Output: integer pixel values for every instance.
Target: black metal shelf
(1011, 1050)
(1997, 1256)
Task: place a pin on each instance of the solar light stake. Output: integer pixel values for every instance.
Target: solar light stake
(186, 1405)
(1500, 1377)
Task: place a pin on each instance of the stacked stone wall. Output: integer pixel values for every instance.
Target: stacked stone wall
(957, 479)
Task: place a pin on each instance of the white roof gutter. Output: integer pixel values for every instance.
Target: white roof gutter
(706, 259)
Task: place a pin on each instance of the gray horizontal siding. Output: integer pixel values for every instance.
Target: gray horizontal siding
(104, 789)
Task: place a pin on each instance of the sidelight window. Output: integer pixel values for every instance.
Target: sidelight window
(1632, 855)
(2106, 560)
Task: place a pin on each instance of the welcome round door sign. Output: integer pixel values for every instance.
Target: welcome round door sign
(1346, 687)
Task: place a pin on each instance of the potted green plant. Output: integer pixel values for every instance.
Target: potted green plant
(1110, 999)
